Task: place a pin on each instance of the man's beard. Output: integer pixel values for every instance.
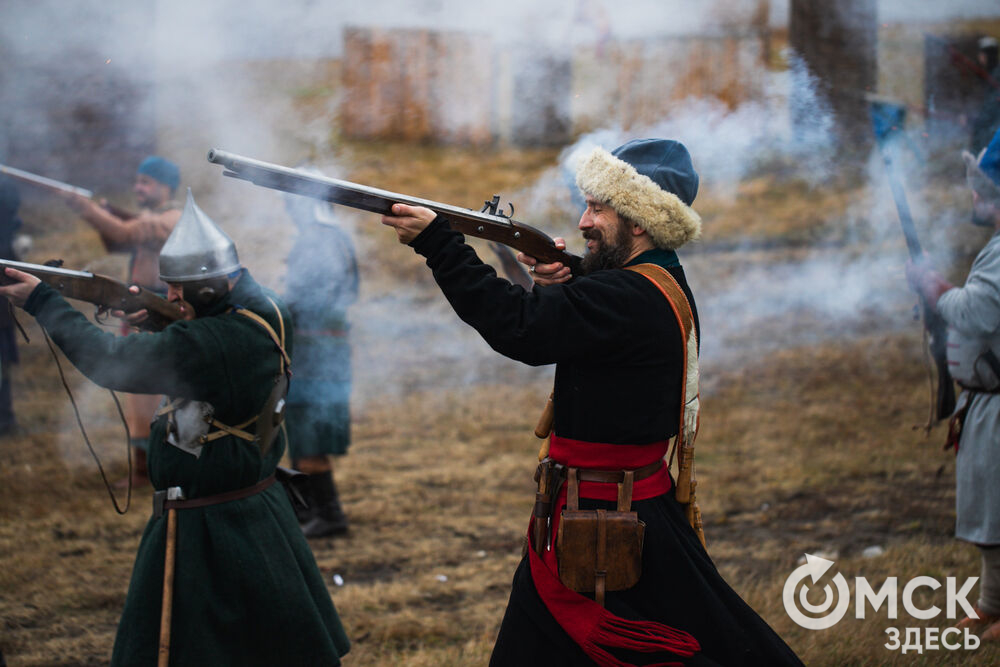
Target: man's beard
(610, 254)
(148, 201)
(204, 296)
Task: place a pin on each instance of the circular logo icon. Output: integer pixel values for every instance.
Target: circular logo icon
(814, 568)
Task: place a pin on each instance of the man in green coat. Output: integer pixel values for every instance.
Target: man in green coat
(246, 589)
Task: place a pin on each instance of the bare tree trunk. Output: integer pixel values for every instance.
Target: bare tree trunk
(837, 43)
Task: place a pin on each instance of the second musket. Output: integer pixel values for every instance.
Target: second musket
(53, 185)
(106, 293)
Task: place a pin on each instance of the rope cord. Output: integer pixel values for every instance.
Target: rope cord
(86, 439)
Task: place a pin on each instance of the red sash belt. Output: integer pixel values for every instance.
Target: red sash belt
(591, 626)
(601, 456)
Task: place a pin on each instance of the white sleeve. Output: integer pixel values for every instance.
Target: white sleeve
(974, 309)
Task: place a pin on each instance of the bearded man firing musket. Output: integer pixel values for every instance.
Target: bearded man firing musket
(615, 572)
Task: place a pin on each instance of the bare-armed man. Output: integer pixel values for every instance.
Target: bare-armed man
(142, 236)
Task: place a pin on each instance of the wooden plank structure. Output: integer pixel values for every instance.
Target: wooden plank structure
(425, 85)
(654, 77)
(416, 85)
(837, 42)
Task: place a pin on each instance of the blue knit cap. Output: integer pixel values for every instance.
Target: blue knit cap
(162, 170)
(982, 172)
(990, 162)
(667, 163)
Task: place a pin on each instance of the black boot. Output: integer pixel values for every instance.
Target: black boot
(328, 517)
(7, 422)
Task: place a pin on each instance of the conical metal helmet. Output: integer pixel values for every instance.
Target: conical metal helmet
(197, 248)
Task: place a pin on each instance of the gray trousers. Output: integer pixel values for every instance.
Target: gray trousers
(989, 581)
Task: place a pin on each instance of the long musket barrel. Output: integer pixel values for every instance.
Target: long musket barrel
(100, 290)
(59, 186)
(479, 224)
(42, 181)
(887, 119)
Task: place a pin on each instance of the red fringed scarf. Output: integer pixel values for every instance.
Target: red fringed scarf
(590, 625)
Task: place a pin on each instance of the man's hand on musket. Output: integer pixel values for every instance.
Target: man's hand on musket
(547, 274)
(408, 221)
(925, 281)
(136, 317)
(20, 286)
(82, 205)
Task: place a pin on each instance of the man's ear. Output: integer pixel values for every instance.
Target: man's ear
(637, 230)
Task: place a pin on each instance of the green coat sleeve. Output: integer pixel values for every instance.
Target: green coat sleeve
(176, 361)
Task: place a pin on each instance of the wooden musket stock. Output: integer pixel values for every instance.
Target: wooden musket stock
(102, 291)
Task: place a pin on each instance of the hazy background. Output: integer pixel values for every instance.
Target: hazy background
(812, 373)
(89, 88)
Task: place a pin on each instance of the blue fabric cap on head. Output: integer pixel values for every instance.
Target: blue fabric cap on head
(666, 162)
(990, 162)
(162, 170)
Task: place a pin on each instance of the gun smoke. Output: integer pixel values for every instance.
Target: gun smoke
(251, 77)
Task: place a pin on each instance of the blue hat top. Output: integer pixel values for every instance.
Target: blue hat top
(162, 170)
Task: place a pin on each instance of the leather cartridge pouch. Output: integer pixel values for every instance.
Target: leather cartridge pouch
(599, 550)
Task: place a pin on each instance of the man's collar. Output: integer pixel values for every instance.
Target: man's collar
(234, 295)
(659, 256)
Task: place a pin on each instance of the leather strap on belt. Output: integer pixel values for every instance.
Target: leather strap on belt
(226, 497)
(978, 390)
(551, 475)
(614, 476)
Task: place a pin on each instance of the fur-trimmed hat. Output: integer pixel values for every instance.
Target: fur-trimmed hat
(982, 172)
(652, 182)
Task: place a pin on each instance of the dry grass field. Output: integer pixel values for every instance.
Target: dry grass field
(810, 443)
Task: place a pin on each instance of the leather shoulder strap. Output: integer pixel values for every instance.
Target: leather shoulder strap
(278, 340)
(678, 301)
(668, 285)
